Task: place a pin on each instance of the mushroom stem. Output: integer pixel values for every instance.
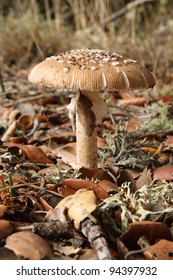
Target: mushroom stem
(90, 110)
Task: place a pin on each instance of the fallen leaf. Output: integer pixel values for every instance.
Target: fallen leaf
(32, 152)
(5, 229)
(164, 172)
(108, 186)
(169, 140)
(136, 101)
(67, 250)
(87, 254)
(66, 191)
(3, 209)
(80, 205)
(133, 125)
(67, 156)
(24, 122)
(35, 154)
(152, 231)
(44, 203)
(125, 176)
(144, 179)
(78, 184)
(28, 245)
(162, 250)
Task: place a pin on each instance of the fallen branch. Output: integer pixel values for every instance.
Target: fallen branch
(51, 230)
(95, 236)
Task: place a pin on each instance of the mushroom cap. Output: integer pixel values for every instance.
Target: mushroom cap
(91, 70)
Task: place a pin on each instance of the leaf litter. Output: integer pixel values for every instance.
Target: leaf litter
(122, 210)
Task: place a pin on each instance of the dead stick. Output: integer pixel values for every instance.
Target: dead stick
(1, 79)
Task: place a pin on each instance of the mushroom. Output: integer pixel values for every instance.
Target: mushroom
(90, 71)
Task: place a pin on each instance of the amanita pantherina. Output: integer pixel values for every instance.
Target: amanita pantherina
(90, 72)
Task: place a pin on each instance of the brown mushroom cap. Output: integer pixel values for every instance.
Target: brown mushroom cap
(91, 70)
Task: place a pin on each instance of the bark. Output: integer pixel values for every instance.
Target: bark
(96, 238)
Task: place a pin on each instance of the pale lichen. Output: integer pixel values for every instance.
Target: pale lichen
(160, 118)
(140, 205)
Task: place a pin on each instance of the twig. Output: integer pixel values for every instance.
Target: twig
(52, 230)
(124, 10)
(96, 238)
(1, 80)
(31, 186)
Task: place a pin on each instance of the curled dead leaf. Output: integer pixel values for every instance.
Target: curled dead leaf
(162, 250)
(152, 231)
(28, 245)
(24, 122)
(79, 205)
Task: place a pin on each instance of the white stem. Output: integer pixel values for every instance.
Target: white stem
(86, 147)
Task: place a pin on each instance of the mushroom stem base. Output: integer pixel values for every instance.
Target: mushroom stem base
(86, 148)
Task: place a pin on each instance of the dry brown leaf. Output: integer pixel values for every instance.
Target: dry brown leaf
(66, 191)
(169, 140)
(66, 250)
(35, 154)
(93, 174)
(28, 245)
(32, 152)
(24, 122)
(44, 203)
(66, 156)
(151, 230)
(101, 142)
(64, 137)
(5, 229)
(86, 184)
(78, 184)
(80, 205)
(133, 125)
(3, 208)
(125, 176)
(18, 140)
(136, 101)
(87, 254)
(108, 186)
(144, 179)
(162, 250)
(100, 192)
(164, 172)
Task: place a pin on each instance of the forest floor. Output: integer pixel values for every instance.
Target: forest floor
(123, 210)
